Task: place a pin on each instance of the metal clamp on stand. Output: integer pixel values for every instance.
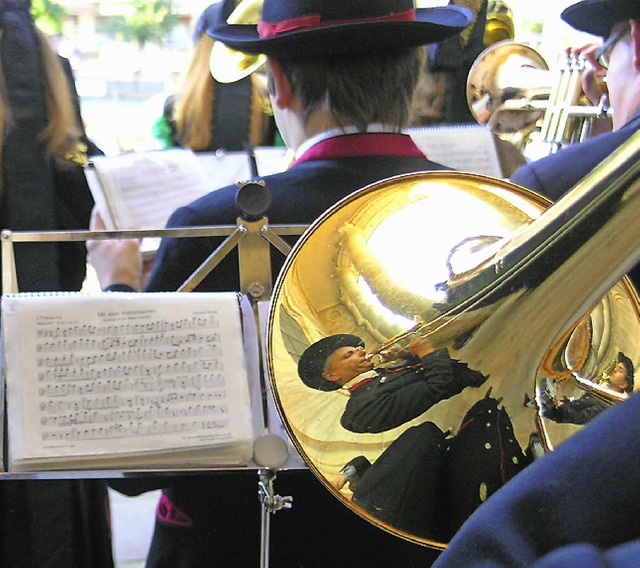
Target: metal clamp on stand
(271, 503)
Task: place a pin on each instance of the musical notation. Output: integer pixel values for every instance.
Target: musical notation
(159, 373)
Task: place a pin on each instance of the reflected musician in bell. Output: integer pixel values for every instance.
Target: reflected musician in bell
(583, 409)
(383, 398)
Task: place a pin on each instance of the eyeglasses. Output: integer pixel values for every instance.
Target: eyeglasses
(604, 51)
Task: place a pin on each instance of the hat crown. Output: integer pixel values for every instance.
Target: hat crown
(281, 10)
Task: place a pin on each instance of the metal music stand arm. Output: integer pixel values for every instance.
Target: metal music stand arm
(212, 260)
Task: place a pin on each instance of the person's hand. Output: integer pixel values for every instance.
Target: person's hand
(593, 77)
(420, 346)
(116, 261)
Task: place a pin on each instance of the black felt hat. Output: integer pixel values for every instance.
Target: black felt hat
(308, 28)
(597, 17)
(214, 15)
(312, 361)
(628, 363)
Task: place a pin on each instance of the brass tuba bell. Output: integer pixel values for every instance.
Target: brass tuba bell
(514, 304)
(229, 65)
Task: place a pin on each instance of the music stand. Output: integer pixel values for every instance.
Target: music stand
(253, 237)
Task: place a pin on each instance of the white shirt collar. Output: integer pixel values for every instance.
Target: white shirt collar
(310, 142)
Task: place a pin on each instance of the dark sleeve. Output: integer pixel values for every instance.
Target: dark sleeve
(585, 554)
(526, 177)
(354, 469)
(578, 411)
(406, 397)
(585, 491)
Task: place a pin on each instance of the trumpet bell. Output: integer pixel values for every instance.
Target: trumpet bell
(503, 83)
(489, 286)
(229, 65)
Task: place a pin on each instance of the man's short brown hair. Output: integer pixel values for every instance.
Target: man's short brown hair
(358, 89)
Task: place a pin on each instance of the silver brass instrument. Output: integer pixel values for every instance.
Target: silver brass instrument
(531, 297)
(511, 88)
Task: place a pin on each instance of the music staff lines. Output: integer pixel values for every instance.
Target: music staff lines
(193, 323)
(110, 342)
(115, 431)
(145, 379)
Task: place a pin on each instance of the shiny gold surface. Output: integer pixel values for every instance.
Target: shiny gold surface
(228, 65)
(471, 264)
(503, 82)
(499, 25)
(511, 89)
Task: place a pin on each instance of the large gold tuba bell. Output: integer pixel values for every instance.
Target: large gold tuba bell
(520, 303)
(228, 65)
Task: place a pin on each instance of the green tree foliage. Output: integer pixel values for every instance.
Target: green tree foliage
(48, 15)
(149, 21)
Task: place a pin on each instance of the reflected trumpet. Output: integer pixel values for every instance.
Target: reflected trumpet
(229, 65)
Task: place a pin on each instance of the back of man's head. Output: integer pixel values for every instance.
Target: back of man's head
(358, 89)
(361, 58)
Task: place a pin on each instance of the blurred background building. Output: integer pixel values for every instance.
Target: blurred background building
(128, 55)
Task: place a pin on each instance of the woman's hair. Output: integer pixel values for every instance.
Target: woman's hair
(62, 133)
(359, 89)
(193, 104)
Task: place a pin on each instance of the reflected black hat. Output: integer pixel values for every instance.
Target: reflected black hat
(597, 17)
(306, 28)
(628, 363)
(312, 361)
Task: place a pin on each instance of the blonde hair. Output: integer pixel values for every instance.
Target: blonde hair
(193, 105)
(63, 132)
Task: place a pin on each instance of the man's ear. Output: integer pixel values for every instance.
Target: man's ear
(635, 42)
(283, 91)
(329, 376)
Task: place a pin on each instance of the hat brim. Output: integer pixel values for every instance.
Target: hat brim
(432, 25)
(597, 17)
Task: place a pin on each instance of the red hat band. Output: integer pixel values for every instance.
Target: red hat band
(268, 30)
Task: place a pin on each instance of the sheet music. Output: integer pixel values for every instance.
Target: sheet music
(124, 374)
(142, 189)
(272, 159)
(464, 147)
(225, 168)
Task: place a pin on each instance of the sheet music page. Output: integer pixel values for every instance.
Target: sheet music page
(120, 374)
(464, 147)
(143, 189)
(225, 168)
(99, 198)
(272, 159)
